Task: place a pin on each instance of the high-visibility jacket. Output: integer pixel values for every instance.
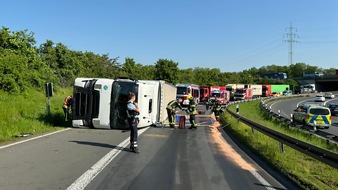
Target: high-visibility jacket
(173, 104)
(192, 108)
(217, 106)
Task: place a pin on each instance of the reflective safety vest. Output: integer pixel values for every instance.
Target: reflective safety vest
(208, 101)
(132, 114)
(173, 104)
(217, 105)
(192, 108)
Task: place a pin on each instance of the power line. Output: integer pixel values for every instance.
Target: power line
(291, 39)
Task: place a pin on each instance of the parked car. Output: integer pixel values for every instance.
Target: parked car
(308, 114)
(333, 108)
(329, 95)
(276, 94)
(319, 98)
(287, 93)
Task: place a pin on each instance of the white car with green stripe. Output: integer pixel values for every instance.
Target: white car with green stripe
(310, 115)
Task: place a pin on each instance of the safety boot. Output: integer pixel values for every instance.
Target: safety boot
(135, 150)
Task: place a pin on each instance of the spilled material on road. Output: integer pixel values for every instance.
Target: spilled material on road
(226, 148)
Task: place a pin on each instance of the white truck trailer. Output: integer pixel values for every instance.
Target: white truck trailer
(102, 103)
(256, 90)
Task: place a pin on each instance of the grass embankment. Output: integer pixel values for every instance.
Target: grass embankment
(303, 170)
(26, 113)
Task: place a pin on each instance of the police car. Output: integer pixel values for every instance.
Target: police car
(313, 114)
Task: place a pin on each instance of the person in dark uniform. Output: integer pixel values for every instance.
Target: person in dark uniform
(192, 110)
(208, 103)
(171, 107)
(133, 120)
(217, 108)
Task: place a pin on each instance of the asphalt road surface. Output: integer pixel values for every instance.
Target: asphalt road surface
(202, 158)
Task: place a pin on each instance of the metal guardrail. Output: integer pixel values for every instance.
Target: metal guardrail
(315, 152)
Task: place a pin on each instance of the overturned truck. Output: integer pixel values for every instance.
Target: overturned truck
(102, 103)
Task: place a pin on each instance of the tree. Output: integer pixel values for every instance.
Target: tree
(186, 76)
(146, 72)
(129, 68)
(329, 72)
(166, 70)
(20, 65)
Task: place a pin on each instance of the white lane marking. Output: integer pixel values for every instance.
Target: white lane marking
(92, 172)
(19, 142)
(330, 100)
(273, 104)
(262, 180)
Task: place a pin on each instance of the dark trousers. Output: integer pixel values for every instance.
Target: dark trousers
(171, 117)
(133, 132)
(66, 113)
(192, 120)
(217, 114)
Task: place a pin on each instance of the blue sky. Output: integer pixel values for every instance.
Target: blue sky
(229, 35)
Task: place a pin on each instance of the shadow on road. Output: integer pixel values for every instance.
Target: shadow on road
(104, 145)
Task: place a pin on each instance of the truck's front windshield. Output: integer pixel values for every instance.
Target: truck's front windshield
(182, 90)
(216, 94)
(119, 99)
(240, 91)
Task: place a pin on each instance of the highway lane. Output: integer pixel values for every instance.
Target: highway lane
(205, 158)
(184, 159)
(287, 107)
(54, 161)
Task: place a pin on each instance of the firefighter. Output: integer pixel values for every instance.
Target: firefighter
(192, 112)
(67, 103)
(217, 108)
(208, 103)
(171, 108)
(133, 120)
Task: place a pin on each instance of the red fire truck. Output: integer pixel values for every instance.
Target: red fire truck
(221, 93)
(184, 89)
(243, 94)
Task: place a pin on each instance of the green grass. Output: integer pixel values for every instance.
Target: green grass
(302, 169)
(26, 113)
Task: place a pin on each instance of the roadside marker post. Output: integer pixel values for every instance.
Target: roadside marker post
(315, 125)
(291, 117)
(49, 93)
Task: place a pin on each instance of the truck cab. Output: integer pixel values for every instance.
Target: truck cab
(243, 94)
(101, 103)
(204, 93)
(222, 96)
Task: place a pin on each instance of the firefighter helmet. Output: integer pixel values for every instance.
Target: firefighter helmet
(189, 96)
